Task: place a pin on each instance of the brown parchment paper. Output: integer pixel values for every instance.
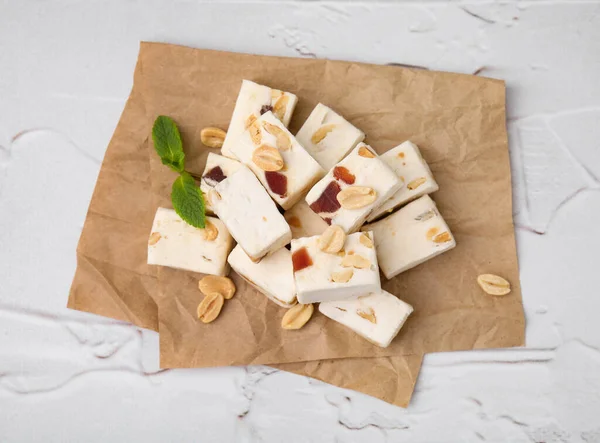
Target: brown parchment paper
(457, 120)
(113, 280)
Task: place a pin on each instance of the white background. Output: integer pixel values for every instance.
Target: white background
(65, 72)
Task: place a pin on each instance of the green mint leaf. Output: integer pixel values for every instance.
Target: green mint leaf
(188, 200)
(167, 143)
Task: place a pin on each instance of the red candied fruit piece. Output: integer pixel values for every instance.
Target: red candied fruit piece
(214, 176)
(344, 175)
(301, 259)
(265, 108)
(327, 201)
(277, 182)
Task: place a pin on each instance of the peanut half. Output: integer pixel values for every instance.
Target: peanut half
(267, 158)
(355, 261)
(321, 133)
(297, 316)
(363, 151)
(365, 240)
(493, 284)
(255, 135)
(280, 106)
(283, 141)
(210, 307)
(332, 240)
(414, 184)
(251, 119)
(212, 137)
(442, 238)
(154, 238)
(214, 284)
(367, 314)
(210, 231)
(275, 94)
(356, 197)
(342, 276)
(432, 232)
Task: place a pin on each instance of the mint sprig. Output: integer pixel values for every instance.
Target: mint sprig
(186, 196)
(167, 142)
(188, 201)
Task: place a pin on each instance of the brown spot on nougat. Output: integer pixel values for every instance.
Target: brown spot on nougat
(294, 222)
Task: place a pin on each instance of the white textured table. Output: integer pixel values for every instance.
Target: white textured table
(65, 73)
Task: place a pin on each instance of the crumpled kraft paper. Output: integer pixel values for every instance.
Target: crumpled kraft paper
(112, 277)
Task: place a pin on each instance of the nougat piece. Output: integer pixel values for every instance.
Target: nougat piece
(250, 215)
(327, 136)
(253, 101)
(377, 317)
(273, 276)
(410, 236)
(303, 221)
(176, 244)
(321, 276)
(412, 169)
(353, 188)
(217, 169)
(281, 164)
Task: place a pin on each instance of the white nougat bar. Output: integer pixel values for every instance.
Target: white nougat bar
(254, 100)
(250, 215)
(315, 270)
(217, 169)
(377, 317)
(273, 276)
(327, 136)
(303, 221)
(176, 244)
(412, 169)
(410, 236)
(300, 171)
(361, 168)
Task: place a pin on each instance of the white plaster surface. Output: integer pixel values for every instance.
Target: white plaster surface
(65, 72)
